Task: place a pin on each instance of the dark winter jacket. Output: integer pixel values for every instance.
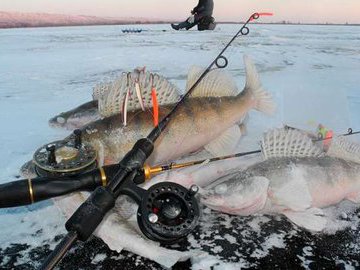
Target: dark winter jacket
(204, 8)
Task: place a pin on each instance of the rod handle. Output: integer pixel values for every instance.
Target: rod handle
(28, 191)
(90, 214)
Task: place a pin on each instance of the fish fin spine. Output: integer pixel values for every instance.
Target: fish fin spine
(288, 143)
(225, 143)
(217, 83)
(341, 147)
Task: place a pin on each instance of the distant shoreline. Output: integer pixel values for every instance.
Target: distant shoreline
(11, 20)
(161, 22)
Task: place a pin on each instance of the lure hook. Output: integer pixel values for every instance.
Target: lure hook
(152, 80)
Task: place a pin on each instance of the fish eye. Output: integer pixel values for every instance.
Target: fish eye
(221, 189)
(60, 120)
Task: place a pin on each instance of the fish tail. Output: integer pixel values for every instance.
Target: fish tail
(262, 99)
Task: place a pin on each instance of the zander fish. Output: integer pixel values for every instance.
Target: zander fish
(214, 123)
(297, 179)
(209, 122)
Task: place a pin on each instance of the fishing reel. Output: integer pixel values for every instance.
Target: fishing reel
(168, 212)
(65, 158)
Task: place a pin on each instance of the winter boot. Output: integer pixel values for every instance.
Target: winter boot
(182, 25)
(175, 26)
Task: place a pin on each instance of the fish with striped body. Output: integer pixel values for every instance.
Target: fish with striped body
(297, 179)
(209, 122)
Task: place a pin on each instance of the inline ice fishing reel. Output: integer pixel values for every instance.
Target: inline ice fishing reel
(65, 158)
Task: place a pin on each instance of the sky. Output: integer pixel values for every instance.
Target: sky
(305, 11)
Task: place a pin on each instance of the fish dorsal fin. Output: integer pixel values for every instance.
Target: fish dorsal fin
(216, 83)
(100, 89)
(288, 143)
(111, 102)
(225, 143)
(341, 147)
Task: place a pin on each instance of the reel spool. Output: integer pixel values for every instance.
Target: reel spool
(65, 158)
(168, 212)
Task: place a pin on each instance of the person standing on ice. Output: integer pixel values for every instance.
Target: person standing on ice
(201, 16)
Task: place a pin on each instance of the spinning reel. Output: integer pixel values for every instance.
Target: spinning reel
(167, 211)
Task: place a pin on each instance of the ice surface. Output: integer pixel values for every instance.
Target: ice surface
(312, 72)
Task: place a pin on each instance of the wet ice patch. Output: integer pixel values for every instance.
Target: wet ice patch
(322, 66)
(341, 217)
(229, 239)
(272, 241)
(31, 227)
(25, 232)
(304, 257)
(211, 262)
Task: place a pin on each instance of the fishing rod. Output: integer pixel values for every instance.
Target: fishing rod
(28, 191)
(320, 138)
(150, 171)
(157, 218)
(350, 132)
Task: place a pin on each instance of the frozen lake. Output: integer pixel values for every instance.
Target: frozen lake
(312, 72)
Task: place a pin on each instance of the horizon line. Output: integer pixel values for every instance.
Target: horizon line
(168, 22)
(142, 20)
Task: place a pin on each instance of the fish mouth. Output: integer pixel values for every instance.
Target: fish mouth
(28, 170)
(61, 122)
